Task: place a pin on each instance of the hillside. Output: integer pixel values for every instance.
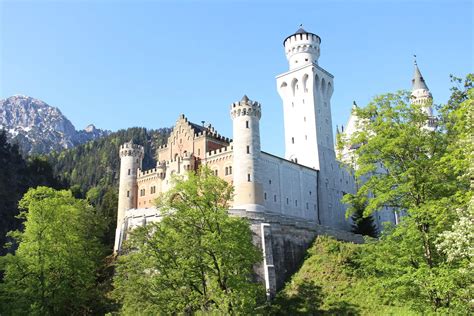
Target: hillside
(329, 283)
(39, 128)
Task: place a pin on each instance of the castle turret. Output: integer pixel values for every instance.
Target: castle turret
(131, 156)
(420, 94)
(302, 48)
(246, 154)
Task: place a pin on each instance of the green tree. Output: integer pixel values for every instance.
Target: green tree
(197, 258)
(53, 272)
(406, 167)
(362, 224)
(17, 174)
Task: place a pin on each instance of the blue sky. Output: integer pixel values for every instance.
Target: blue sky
(120, 64)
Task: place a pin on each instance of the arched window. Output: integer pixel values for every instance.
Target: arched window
(294, 85)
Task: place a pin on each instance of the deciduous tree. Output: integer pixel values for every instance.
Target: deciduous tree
(422, 173)
(53, 272)
(197, 258)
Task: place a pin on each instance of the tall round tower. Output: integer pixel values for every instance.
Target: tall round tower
(131, 156)
(302, 48)
(246, 154)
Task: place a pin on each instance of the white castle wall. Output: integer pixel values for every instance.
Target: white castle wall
(289, 189)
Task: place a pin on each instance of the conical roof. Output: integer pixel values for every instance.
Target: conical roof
(418, 82)
(301, 30)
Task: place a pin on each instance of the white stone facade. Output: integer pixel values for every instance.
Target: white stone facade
(302, 190)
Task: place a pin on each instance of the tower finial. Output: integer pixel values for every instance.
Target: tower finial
(414, 59)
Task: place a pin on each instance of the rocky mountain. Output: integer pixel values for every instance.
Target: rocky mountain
(40, 128)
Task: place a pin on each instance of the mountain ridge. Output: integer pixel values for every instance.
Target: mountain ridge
(39, 128)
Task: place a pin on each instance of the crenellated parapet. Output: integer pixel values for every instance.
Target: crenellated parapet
(246, 107)
(131, 149)
(217, 152)
(302, 48)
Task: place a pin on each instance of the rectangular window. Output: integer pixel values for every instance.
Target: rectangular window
(129, 171)
(265, 196)
(230, 170)
(274, 198)
(247, 124)
(248, 149)
(226, 171)
(128, 193)
(292, 140)
(287, 201)
(248, 177)
(296, 202)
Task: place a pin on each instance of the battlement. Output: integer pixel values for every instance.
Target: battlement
(245, 107)
(302, 48)
(219, 151)
(131, 149)
(142, 173)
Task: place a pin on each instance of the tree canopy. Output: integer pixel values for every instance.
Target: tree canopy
(53, 271)
(197, 258)
(423, 174)
(17, 174)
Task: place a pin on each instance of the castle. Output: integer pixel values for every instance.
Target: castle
(288, 201)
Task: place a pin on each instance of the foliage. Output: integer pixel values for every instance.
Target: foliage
(92, 170)
(458, 242)
(327, 285)
(53, 272)
(17, 174)
(197, 258)
(362, 224)
(424, 174)
(95, 163)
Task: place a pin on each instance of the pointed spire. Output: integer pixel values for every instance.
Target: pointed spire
(301, 30)
(418, 82)
(245, 98)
